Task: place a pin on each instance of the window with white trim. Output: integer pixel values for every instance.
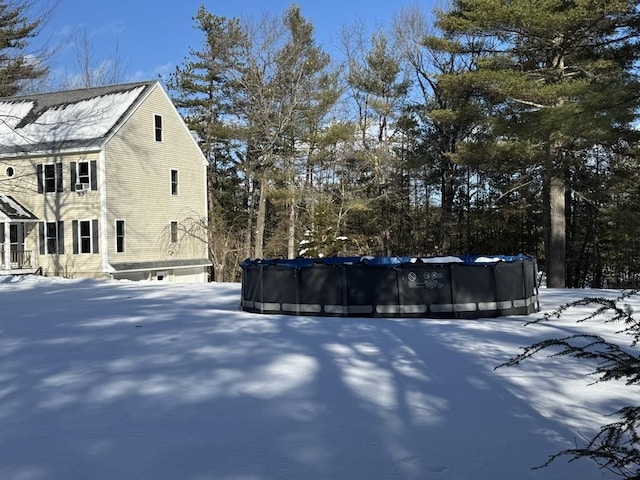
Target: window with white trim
(157, 127)
(49, 177)
(51, 238)
(84, 175)
(174, 182)
(85, 236)
(120, 236)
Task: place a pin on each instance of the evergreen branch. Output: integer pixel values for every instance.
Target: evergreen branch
(616, 446)
(613, 448)
(613, 362)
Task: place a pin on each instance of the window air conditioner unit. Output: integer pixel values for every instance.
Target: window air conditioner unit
(82, 187)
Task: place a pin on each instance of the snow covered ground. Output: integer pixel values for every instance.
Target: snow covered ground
(121, 380)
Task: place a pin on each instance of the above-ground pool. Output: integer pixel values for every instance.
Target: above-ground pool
(435, 287)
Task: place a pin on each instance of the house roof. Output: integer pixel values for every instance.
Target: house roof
(65, 120)
(12, 210)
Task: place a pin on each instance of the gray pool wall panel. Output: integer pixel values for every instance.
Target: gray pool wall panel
(391, 289)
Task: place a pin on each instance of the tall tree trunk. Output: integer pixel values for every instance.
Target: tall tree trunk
(211, 226)
(598, 274)
(386, 228)
(250, 194)
(291, 237)
(262, 217)
(446, 209)
(556, 270)
(293, 212)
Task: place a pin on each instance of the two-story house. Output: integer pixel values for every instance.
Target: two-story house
(103, 182)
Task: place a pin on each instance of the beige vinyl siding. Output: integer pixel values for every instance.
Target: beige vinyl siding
(50, 207)
(138, 184)
(134, 185)
(181, 275)
(190, 275)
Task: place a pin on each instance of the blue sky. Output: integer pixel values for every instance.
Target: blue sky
(153, 37)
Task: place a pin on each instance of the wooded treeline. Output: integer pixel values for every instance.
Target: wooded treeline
(496, 127)
(489, 127)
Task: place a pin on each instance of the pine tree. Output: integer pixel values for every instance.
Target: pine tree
(281, 96)
(202, 85)
(442, 117)
(558, 81)
(379, 89)
(18, 66)
(201, 89)
(254, 94)
(309, 85)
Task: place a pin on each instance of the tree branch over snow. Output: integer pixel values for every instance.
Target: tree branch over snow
(616, 446)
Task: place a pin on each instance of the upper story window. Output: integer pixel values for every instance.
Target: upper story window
(83, 172)
(84, 176)
(174, 182)
(157, 127)
(49, 177)
(10, 172)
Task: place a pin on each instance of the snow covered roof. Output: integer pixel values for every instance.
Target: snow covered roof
(11, 209)
(65, 120)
